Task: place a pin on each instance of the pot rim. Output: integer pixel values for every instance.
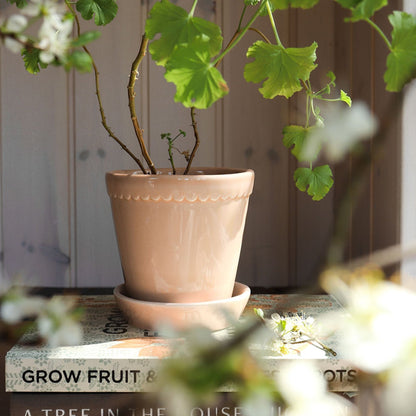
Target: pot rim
(195, 174)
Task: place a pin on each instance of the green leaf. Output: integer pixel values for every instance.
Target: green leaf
(331, 77)
(85, 38)
(103, 11)
(345, 98)
(31, 60)
(282, 69)
(294, 137)
(362, 9)
(198, 83)
(285, 4)
(401, 62)
(19, 3)
(317, 182)
(80, 60)
(177, 29)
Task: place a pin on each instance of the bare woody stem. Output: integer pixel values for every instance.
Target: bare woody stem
(98, 94)
(132, 94)
(196, 144)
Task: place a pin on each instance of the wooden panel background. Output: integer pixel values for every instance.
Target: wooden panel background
(55, 215)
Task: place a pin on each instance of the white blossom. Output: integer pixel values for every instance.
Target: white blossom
(13, 45)
(304, 390)
(16, 23)
(17, 305)
(399, 397)
(375, 331)
(44, 8)
(54, 38)
(56, 324)
(344, 127)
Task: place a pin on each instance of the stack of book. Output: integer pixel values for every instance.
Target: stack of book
(114, 372)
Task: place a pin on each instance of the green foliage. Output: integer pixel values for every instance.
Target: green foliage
(85, 38)
(285, 4)
(79, 60)
(198, 83)
(186, 47)
(294, 137)
(401, 62)
(31, 60)
(281, 68)
(103, 11)
(19, 3)
(345, 98)
(317, 181)
(177, 30)
(362, 9)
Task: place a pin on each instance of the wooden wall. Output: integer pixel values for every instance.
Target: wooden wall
(56, 225)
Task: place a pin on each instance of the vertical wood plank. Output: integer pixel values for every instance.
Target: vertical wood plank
(35, 194)
(373, 222)
(252, 129)
(95, 152)
(408, 191)
(313, 218)
(387, 163)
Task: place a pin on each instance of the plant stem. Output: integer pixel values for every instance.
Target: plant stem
(131, 94)
(273, 24)
(380, 32)
(98, 94)
(191, 13)
(240, 22)
(260, 33)
(196, 144)
(171, 161)
(239, 34)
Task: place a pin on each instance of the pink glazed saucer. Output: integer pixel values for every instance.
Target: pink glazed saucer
(214, 315)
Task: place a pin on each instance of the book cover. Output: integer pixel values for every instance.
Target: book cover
(117, 404)
(115, 357)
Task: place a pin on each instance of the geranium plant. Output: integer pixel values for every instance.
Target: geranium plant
(191, 48)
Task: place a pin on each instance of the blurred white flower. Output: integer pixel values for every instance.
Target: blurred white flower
(344, 127)
(54, 38)
(18, 305)
(16, 23)
(13, 45)
(258, 404)
(56, 323)
(304, 390)
(399, 397)
(44, 8)
(375, 331)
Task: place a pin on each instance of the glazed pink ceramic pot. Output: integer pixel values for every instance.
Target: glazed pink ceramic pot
(179, 236)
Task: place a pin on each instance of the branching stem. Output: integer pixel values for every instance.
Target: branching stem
(131, 94)
(380, 32)
(98, 94)
(196, 144)
(239, 34)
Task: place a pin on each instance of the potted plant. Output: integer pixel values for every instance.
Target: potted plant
(191, 50)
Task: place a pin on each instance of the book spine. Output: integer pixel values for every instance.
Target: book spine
(339, 374)
(92, 375)
(136, 375)
(116, 404)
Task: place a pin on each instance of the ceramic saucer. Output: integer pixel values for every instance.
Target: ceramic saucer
(214, 315)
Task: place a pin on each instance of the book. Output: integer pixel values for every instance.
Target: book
(115, 357)
(117, 404)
